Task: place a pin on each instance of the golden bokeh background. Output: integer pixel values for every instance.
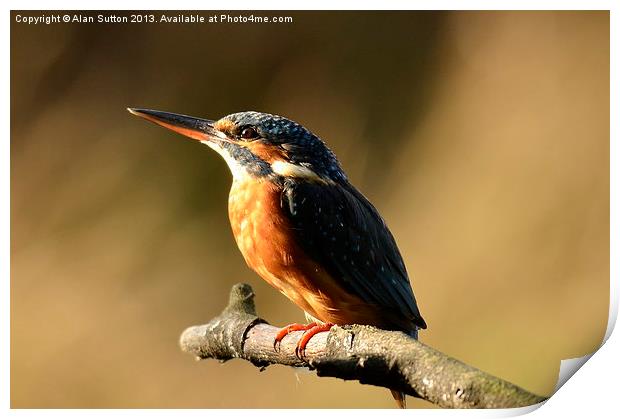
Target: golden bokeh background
(482, 138)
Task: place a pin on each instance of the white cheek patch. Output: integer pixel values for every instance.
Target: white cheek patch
(285, 169)
(237, 170)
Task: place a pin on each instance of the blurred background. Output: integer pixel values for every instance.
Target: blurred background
(482, 138)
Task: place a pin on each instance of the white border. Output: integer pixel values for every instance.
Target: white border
(591, 392)
(316, 5)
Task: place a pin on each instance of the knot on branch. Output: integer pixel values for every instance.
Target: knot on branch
(223, 337)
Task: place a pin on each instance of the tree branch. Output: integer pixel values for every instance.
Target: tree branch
(367, 354)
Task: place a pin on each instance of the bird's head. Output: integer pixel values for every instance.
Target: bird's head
(257, 144)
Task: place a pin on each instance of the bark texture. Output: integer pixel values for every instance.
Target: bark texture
(367, 354)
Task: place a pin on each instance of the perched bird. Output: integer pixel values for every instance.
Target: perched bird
(303, 227)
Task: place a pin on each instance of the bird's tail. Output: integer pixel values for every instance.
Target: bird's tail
(399, 396)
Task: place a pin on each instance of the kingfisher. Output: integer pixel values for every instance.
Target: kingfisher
(303, 227)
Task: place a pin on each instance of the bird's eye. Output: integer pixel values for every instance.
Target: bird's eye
(249, 133)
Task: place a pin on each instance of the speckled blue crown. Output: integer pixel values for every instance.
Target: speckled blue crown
(303, 146)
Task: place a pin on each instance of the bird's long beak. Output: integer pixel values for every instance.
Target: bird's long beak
(196, 128)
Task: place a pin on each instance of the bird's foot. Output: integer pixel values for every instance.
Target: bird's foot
(310, 330)
(300, 349)
(293, 327)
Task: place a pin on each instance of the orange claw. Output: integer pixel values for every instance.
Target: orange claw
(288, 329)
(300, 350)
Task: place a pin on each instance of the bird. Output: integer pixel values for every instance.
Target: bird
(303, 227)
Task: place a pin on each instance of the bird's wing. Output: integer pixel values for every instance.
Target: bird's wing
(338, 227)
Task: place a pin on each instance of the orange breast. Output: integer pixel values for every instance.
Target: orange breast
(269, 247)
